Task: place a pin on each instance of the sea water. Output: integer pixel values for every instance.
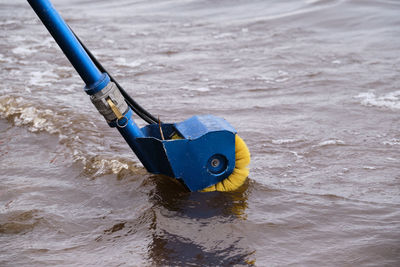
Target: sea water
(311, 86)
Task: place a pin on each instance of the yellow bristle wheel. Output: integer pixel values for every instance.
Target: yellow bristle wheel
(239, 174)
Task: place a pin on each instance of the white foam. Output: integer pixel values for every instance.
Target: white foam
(5, 59)
(312, 1)
(296, 154)
(47, 42)
(284, 141)
(225, 35)
(369, 168)
(198, 89)
(144, 33)
(37, 119)
(27, 116)
(390, 100)
(97, 166)
(133, 64)
(331, 142)
(33, 118)
(392, 142)
(202, 89)
(43, 78)
(9, 22)
(24, 51)
(275, 77)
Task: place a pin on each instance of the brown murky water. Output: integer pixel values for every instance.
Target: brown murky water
(312, 87)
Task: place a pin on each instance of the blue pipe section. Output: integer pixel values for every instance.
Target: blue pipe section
(90, 74)
(95, 80)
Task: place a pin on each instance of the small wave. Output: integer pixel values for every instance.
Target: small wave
(225, 35)
(5, 59)
(197, 89)
(312, 1)
(22, 115)
(26, 46)
(392, 142)
(123, 63)
(9, 22)
(99, 165)
(16, 222)
(390, 100)
(43, 78)
(78, 146)
(23, 51)
(369, 167)
(284, 141)
(275, 77)
(331, 142)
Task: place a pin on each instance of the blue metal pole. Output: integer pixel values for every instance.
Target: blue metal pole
(95, 80)
(90, 74)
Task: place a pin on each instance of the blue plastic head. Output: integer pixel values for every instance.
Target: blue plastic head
(199, 151)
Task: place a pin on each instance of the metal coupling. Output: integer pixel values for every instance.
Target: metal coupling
(101, 100)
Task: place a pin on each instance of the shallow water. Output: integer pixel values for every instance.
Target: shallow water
(311, 86)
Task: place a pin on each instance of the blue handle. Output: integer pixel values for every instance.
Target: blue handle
(90, 74)
(189, 157)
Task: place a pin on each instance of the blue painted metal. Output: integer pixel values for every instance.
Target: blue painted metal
(205, 153)
(91, 89)
(62, 34)
(190, 159)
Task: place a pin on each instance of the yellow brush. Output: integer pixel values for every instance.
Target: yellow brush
(239, 174)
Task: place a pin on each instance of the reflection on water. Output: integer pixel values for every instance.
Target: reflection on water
(177, 241)
(173, 197)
